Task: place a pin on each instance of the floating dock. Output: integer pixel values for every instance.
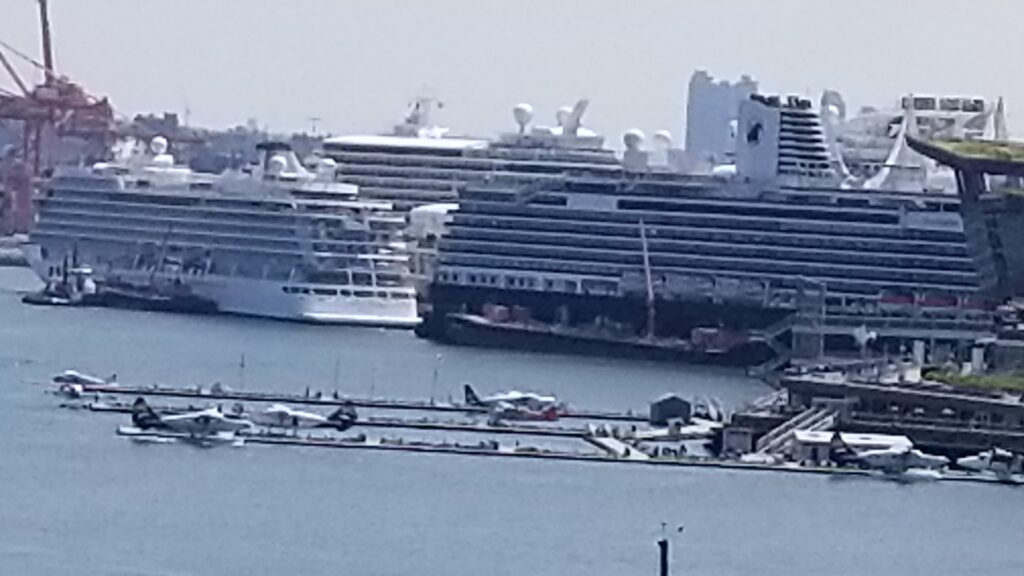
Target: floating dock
(483, 450)
(613, 447)
(514, 428)
(334, 399)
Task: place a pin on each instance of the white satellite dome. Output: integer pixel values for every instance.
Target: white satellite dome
(276, 165)
(633, 139)
(523, 113)
(663, 139)
(158, 145)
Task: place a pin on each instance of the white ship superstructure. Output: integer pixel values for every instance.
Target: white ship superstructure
(871, 144)
(419, 164)
(274, 240)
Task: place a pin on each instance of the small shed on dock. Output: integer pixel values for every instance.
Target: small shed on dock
(669, 408)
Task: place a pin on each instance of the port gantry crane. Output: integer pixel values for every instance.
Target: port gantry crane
(53, 110)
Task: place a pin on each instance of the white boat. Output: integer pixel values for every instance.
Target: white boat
(273, 240)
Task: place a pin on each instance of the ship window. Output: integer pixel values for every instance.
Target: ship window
(346, 293)
(382, 294)
(362, 279)
(924, 103)
(950, 104)
(363, 294)
(386, 279)
(399, 296)
(976, 105)
(325, 292)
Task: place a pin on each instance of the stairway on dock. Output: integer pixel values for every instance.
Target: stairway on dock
(771, 337)
(815, 418)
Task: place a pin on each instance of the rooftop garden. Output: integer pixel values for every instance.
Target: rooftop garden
(983, 149)
(1008, 382)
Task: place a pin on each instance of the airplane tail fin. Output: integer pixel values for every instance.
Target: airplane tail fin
(143, 415)
(471, 397)
(839, 451)
(343, 418)
(550, 413)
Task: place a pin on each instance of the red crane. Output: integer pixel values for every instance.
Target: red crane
(55, 109)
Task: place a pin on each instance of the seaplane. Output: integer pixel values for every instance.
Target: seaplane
(202, 426)
(73, 383)
(504, 411)
(285, 417)
(1006, 466)
(901, 463)
(528, 400)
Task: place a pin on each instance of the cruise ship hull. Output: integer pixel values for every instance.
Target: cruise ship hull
(270, 298)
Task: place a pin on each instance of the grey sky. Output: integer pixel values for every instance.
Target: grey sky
(357, 63)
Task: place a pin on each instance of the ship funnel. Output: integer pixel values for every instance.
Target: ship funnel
(573, 119)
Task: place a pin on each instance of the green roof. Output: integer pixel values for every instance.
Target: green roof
(982, 149)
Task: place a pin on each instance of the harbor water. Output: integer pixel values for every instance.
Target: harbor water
(76, 499)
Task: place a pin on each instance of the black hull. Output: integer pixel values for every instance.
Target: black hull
(442, 321)
(453, 329)
(185, 304)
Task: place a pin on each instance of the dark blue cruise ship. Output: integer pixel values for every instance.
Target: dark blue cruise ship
(770, 256)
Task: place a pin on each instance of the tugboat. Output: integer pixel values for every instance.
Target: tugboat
(75, 287)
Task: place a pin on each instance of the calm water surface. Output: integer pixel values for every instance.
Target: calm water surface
(75, 499)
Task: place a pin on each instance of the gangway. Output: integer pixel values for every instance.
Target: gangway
(815, 418)
(617, 448)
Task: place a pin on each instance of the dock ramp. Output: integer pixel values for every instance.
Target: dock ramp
(816, 418)
(617, 448)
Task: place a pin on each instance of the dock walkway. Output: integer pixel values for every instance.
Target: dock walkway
(319, 399)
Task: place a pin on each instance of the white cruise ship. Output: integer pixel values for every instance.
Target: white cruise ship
(420, 164)
(275, 240)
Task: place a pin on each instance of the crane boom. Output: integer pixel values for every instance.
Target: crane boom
(28, 59)
(44, 22)
(14, 74)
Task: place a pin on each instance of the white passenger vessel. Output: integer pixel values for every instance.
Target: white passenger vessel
(273, 240)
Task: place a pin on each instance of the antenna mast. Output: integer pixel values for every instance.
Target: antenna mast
(647, 280)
